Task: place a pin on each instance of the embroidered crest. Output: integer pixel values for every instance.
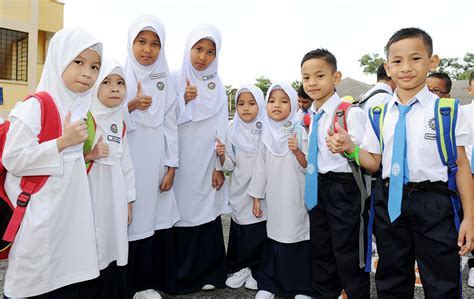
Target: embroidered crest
(258, 125)
(160, 85)
(211, 85)
(395, 169)
(310, 168)
(114, 128)
(288, 124)
(431, 124)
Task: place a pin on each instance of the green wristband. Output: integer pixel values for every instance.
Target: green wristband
(354, 155)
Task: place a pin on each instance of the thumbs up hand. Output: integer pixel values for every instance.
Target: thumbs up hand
(293, 143)
(73, 133)
(190, 92)
(340, 141)
(141, 101)
(220, 147)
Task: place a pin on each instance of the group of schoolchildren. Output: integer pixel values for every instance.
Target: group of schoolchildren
(136, 181)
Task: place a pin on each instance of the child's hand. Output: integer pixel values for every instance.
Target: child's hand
(141, 101)
(168, 179)
(73, 134)
(256, 208)
(100, 150)
(293, 143)
(220, 148)
(130, 215)
(339, 142)
(466, 236)
(190, 93)
(217, 179)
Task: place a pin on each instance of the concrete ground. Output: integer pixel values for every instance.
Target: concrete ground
(244, 293)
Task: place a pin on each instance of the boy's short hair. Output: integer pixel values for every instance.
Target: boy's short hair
(321, 54)
(302, 93)
(443, 76)
(471, 78)
(411, 32)
(382, 74)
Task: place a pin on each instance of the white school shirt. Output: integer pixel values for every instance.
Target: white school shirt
(55, 245)
(281, 180)
(198, 202)
(424, 163)
(241, 165)
(469, 112)
(378, 99)
(112, 187)
(356, 120)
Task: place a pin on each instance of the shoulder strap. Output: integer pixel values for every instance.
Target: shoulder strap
(377, 91)
(89, 143)
(50, 129)
(376, 117)
(349, 99)
(124, 130)
(340, 116)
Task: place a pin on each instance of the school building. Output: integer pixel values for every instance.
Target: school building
(26, 26)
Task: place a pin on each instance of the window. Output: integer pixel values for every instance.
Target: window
(13, 55)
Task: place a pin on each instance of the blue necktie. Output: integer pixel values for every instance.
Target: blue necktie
(311, 181)
(399, 170)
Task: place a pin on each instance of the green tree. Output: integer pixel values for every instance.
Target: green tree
(296, 85)
(370, 63)
(456, 68)
(263, 83)
(230, 91)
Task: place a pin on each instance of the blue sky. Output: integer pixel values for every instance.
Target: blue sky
(269, 38)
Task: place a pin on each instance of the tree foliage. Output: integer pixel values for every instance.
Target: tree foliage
(370, 63)
(457, 68)
(263, 83)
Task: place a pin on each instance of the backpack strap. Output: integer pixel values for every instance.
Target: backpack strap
(377, 91)
(376, 117)
(50, 129)
(340, 117)
(446, 111)
(89, 143)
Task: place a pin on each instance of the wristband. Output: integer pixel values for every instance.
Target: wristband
(354, 155)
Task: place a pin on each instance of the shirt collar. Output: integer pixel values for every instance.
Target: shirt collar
(424, 97)
(329, 106)
(383, 86)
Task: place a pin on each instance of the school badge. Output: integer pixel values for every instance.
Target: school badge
(160, 85)
(288, 124)
(396, 169)
(258, 125)
(114, 128)
(431, 124)
(211, 85)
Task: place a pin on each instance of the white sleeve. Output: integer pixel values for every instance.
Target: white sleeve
(356, 120)
(171, 136)
(229, 162)
(463, 127)
(128, 172)
(258, 183)
(23, 155)
(370, 141)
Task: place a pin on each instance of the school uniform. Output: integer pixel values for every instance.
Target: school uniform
(379, 98)
(279, 178)
(153, 140)
(247, 233)
(335, 220)
(199, 238)
(425, 229)
(54, 249)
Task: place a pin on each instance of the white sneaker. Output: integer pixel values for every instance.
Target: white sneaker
(264, 295)
(302, 297)
(147, 294)
(208, 287)
(470, 280)
(238, 279)
(251, 283)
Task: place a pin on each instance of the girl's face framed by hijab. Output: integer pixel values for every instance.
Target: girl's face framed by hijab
(82, 72)
(203, 54)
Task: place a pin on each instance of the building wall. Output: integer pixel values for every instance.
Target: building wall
(40, 19)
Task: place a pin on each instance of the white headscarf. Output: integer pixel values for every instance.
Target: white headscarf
(211, 93)
(65, 45)
(155, 79)
(276, 133)
(109, 121)
(246, 135)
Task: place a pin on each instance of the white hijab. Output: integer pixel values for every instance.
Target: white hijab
(276, 133)
(66, 45)
(109, 121)
(155, 79)
(246, 135)
(211, 92)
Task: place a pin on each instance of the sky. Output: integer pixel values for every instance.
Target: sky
(269, 38)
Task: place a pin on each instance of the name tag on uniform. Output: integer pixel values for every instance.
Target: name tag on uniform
(114, 138)
(256, 131)
(430, 136)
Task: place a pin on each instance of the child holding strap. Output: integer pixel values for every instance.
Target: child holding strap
(55, 249)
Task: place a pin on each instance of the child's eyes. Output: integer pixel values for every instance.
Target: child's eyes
(212, 53)
(106, 82)
(95, 68)
(77, 61)
(121, 82)
(156, 45)
(199, 49)
(319, 76)
(305, 78)
(396, 61)
(416, 58)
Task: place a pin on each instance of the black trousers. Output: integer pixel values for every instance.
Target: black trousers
(424, 231)
(334, 230)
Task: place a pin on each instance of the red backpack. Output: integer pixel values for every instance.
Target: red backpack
(10, 217)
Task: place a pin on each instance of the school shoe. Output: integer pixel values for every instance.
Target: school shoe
(302, 297)
(238, 279)
(264, 295)
(147, 294)
(251, 283)
(470, 280)
(208, 287)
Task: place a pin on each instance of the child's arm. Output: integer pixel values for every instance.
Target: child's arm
(140, 101)
(293, 146)
(218, 179)
(100, 150)
(257, 211)
(128, 172)
(220, 150)
(464, 184)
(229, 162)
(190, 92)
(258, 183)
(168, 180)
(170, 145)
(130, 213)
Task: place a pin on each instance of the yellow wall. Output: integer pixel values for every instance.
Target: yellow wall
(18, 10)
(51, 15)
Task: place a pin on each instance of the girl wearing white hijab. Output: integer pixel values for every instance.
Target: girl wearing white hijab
(279, 177)
(153, 139)
(55, 247)
(247, 231)
(200, 190)
(111, 180)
